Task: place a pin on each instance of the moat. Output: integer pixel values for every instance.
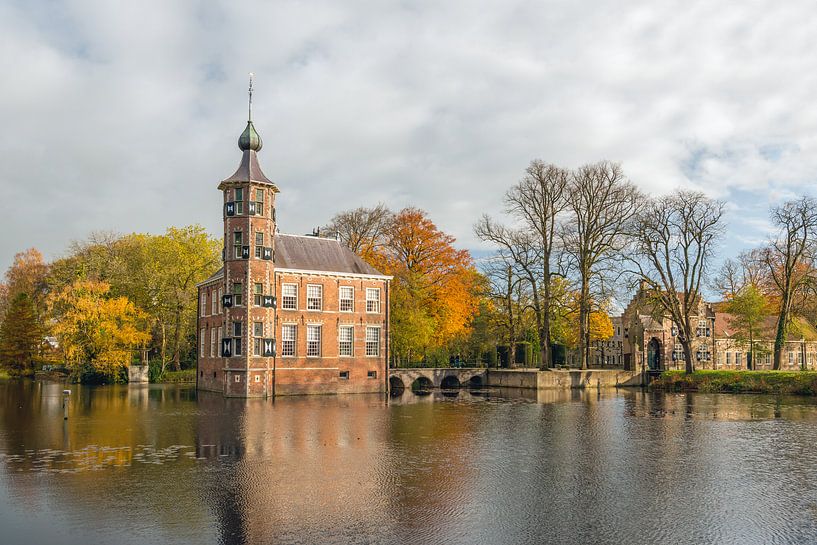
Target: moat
(165, 464)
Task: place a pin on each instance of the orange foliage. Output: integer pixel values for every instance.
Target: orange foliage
(430, 273)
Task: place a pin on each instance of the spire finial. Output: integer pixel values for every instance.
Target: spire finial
(249, 139)
(249, 91)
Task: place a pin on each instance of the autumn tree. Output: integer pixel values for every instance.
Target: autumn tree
(789, 259)
(602, 203)
(158, 273)
(21, 335)
(674, 239)
(97, 333)
(434, 287)
(748, 308)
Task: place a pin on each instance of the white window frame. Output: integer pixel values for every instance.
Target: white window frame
(214, 302)
(374, 307)
(313, 341)
(372, 343)
(310, 298)
(203, 303)
(349, 344)
(202, 342)
(285, 297)
(350, 300)
(289, 346)
(218, 300)
(258, 338)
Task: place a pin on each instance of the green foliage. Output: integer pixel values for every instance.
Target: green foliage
(767, 382)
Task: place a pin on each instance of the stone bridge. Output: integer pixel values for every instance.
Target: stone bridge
(443, 377)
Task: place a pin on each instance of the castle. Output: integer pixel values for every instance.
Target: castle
(286, 314)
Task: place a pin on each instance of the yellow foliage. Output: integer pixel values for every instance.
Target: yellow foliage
(96, 329)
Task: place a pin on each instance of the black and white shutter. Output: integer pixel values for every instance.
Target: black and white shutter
(269, 348)
(226, 348)
(267, 253)
(227, 300)
(229, 208)
(268, 301)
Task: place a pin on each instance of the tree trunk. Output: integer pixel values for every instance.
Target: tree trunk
(780, 336)
(686, 344)
(545, 357)
(584, 323)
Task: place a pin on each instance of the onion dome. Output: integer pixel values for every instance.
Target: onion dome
(250, 139)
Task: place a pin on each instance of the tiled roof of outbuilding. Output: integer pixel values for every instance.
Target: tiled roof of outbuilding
(309, 253)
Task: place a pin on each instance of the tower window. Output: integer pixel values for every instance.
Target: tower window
(238, 241)
(258, 334)
(259, 243)
(258, 293)
(238, 292)
(346, 294)
(259, 202)
(239, 200)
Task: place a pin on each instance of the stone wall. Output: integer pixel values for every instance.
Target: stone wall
(562, 379)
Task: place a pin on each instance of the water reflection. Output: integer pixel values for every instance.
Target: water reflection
(161, 464)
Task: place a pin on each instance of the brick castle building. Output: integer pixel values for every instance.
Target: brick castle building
(286, 314)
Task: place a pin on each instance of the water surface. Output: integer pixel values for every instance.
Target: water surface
(163, 464)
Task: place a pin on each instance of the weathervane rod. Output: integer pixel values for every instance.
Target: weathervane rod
(250, 102)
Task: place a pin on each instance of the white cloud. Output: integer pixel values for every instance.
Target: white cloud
(125, 116)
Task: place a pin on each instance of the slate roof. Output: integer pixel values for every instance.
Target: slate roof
(249, 171)
(308, 253)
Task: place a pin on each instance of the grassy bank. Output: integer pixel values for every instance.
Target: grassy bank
(763, 382)
(176, 377)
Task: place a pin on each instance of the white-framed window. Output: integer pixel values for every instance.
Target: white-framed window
(703, 328)
(314, 297)
(203, 303)
(201, 342)
(728, 359)
(217, 340)
(343, 375)
(259, 243)
(738, 360)
(239, 200)
(768, 359)
(799, 358)
(289, 296)
(346, 298)
(678, 352)
(346, 336)
(218, 300)
(313, 340)
(258, 338)
(238, 242)
(288, 337)
(371, 374)
(215, 302)
(257, 293)
(238, 294)
(372, 299)
(372, 341)
(791, 358)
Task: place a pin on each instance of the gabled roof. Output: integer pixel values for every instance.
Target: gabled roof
(309, 253)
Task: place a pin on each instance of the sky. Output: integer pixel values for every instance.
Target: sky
(124, 116)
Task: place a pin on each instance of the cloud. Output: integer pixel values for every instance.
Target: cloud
(125, 116)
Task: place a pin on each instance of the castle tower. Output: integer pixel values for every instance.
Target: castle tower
(248, 300)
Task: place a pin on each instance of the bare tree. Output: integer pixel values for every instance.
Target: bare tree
(536, 202)
(505, 287)
(674, 238)
(749, 269)
(789, 259)
(603, 202)
(361, 229)
(520, 249)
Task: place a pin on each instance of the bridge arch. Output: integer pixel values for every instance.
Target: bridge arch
(396, 385)
(422, 385)
(450, 382)
(475, 382)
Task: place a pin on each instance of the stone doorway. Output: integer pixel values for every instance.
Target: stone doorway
(654, 355)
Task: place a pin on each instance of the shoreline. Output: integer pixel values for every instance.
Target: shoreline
(803, 383)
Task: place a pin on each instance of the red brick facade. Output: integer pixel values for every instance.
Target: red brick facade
(321, 344)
